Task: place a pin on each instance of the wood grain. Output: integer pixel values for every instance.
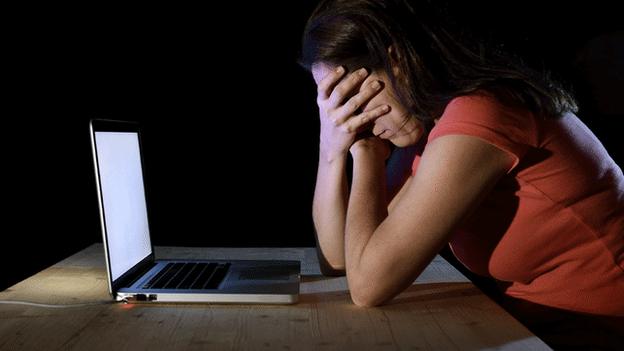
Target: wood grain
(441, 311)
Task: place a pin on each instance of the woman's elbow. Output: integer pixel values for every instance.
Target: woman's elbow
(362, 301)
(327, 269)
(366, 295)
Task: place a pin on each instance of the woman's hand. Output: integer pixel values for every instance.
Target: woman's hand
(338, 110)
(371, 146)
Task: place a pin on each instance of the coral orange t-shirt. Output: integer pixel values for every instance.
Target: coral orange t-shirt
(553, 226)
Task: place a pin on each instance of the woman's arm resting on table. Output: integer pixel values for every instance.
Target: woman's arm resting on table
(329, 209)
(339, 99)
(384, 253)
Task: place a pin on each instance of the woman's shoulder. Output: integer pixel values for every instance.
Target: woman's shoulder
(483, 104)
(483, 110)
(481, 115)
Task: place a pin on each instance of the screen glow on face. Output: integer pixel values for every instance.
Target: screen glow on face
(123, 197)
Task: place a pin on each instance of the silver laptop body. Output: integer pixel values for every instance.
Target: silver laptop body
(133, 273)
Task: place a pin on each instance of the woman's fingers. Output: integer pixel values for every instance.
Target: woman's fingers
(327, 84)
(345, 88)
(356, 123)
(348, 110)
(336, 96)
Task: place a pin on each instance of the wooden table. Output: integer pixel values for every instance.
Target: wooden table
(442, 310)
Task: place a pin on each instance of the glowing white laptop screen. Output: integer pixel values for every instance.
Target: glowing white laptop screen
(123, 197)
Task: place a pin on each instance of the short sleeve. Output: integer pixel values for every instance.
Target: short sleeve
(481, 116)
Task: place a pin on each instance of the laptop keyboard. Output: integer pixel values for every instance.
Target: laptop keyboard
(189, 275)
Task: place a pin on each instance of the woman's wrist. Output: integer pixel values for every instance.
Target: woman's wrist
(375, 149)
(331, 155)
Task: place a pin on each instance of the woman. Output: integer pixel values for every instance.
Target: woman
(519, 187)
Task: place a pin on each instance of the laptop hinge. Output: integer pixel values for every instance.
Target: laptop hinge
(135, 273)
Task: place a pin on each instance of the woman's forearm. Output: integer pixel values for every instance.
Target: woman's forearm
(329, 211)
(367, 209)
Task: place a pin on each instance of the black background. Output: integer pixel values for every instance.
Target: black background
(230, 126)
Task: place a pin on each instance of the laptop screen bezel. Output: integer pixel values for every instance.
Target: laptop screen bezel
(103, 125)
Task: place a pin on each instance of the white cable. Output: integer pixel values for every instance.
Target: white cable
(36, 304)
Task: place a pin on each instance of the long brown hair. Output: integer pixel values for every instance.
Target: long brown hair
(435, 64)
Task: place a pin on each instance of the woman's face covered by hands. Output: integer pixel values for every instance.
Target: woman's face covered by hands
(388, 120)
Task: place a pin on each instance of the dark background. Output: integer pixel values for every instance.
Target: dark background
(230, 126)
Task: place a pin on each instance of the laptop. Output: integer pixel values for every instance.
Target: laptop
(134, 275)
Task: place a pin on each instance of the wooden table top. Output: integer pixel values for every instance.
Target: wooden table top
(442, 310)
